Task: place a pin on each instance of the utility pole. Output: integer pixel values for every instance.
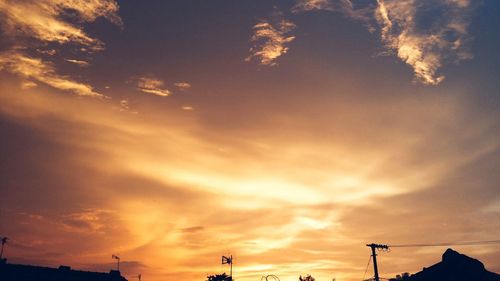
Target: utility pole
(4, 241)
(375, 247)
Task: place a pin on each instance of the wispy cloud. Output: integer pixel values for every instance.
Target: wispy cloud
(363, 12)
(309, 5)
(329, 5)
(425, 47)
(424, 34)
(182, 86)
(271, 38)
(25, 85)
(81, 63)
(29, 22)
(42, 71)
(124, 104)
(90, 220)
(150, 164)
(49, 52)
(42, 19)
(152, 85)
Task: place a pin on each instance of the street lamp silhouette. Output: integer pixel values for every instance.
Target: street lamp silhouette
(4, 241)
(117, 258)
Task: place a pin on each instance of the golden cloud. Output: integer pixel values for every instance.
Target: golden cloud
(271, 39)
(153, 86)
(44, 72)
(41, 19)
(81, 63)
(425, 50)
(28, 85)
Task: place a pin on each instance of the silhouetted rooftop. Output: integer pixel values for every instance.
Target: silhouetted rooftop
(19, 272)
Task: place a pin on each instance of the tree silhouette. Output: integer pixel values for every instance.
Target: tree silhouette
(306, 278)
(219, 277)
(403, 277)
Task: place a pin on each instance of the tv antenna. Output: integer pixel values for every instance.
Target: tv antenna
(117, 258)
(229, 260)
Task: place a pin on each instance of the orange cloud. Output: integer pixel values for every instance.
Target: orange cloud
(28, 85)
(174, 194)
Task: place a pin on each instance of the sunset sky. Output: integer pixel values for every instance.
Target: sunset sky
(288, 133)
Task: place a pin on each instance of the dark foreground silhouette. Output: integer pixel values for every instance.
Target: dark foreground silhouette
(453, 267)
(219, 277)
(18, 272)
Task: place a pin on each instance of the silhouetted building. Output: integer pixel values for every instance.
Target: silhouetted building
(18, 272)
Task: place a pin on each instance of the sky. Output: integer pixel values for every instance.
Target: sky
(287, 133)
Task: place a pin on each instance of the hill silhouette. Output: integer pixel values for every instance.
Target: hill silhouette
(454, 267)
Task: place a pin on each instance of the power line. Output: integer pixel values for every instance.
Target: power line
(366, 270)
(468, 243)
(374, 247)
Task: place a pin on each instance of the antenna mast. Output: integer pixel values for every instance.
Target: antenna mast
(229, 260)
(117, 258)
